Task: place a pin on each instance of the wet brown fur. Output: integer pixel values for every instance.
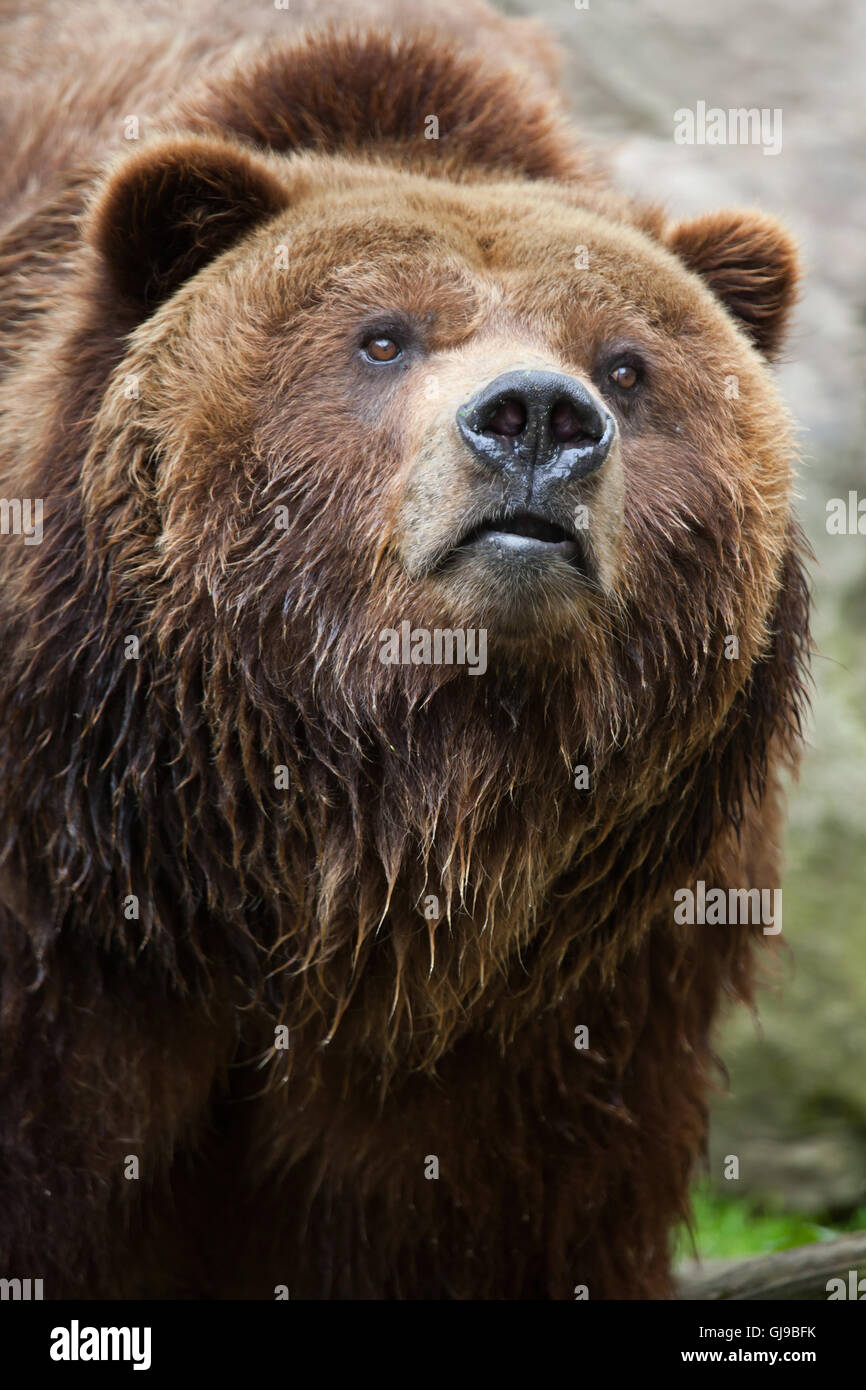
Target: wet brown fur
(155, 777)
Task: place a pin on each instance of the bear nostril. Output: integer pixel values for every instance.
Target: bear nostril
(528, 420)
(567, 425)
(509, 418)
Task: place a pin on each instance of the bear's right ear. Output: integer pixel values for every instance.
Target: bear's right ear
(165, 212)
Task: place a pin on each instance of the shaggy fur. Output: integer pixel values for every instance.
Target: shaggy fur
(165, 384)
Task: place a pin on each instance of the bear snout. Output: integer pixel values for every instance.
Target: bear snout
(537, 425)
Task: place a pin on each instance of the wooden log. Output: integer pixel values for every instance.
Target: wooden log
(800, 1273)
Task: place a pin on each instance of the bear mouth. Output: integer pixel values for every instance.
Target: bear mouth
(523, 536)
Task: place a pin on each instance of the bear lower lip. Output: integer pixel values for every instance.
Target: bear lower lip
(523, 536)
(516, 544)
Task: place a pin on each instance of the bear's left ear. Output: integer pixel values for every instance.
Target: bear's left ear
(750, 263)
(166, 211)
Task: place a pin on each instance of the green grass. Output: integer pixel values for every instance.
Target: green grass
(728, 1228)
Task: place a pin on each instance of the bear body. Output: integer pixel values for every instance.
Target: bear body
(329, 966)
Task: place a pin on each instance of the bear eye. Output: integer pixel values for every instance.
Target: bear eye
(382, 349)
(625, 375)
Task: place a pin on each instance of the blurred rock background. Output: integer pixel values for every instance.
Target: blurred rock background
(796, 1111)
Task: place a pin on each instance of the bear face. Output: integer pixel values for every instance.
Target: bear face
(327, 470)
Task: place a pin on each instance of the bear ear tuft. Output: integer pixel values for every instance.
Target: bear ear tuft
(750, 263)
(167, 211)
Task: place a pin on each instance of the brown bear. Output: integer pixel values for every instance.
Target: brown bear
(402, 614)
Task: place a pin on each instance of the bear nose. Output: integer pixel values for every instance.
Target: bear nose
(528, 421)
